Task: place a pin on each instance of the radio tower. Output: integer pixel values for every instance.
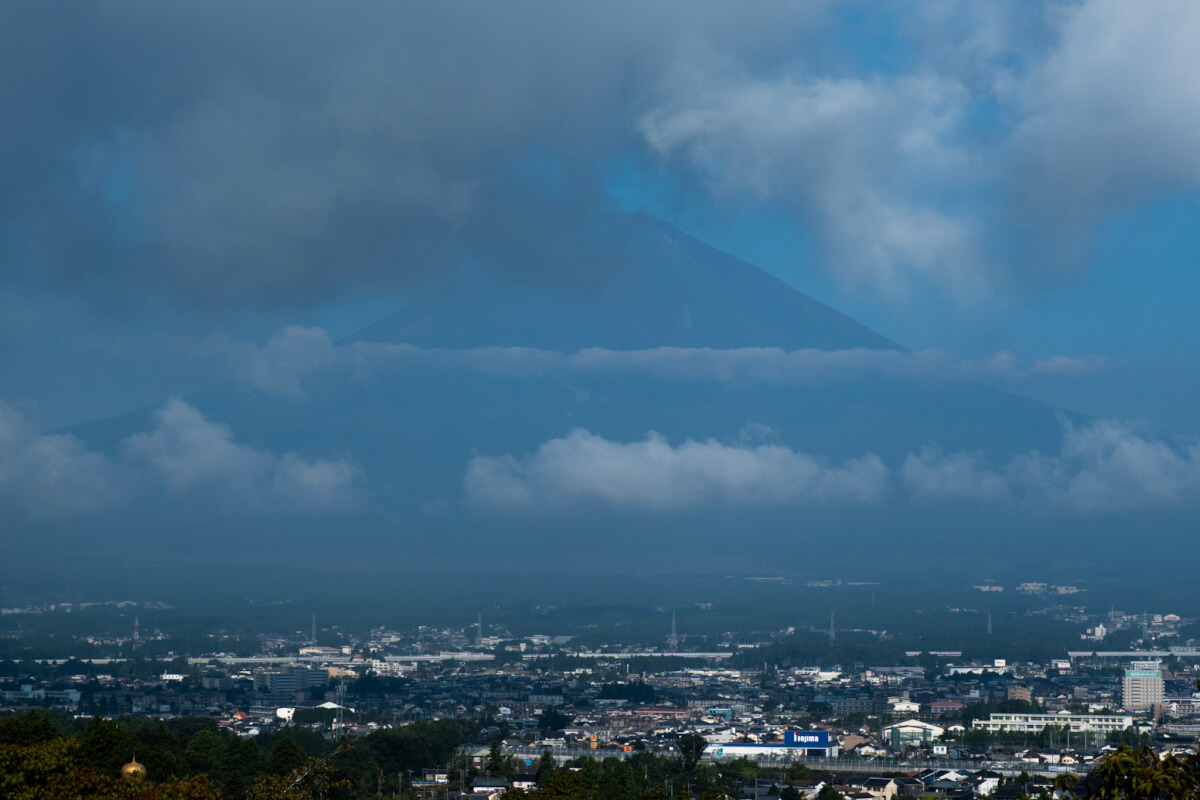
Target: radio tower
(314, 630)
(341, 711)
(479, 632)
(137, 634)
(673, 639)
(989, 623)
(832, 629)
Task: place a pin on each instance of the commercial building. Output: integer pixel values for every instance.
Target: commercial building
(795, 745)
(1035, 723)
(1142, 688)
(911, 733)
(292, 679)
(28, 694)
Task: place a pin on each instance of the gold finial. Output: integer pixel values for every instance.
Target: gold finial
(133, 768)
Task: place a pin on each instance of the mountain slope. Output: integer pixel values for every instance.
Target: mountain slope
(648, 285)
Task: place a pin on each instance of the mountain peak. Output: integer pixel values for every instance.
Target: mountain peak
(628, 282)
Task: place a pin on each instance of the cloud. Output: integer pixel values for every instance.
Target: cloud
(297, 354)
(653, 474)
(987, 152)
(859, 159)
(52, 476)
(1110, 115)
(274, 156)
(194, 456)
(281, 365)
(1105, 465)
(931, 475)
(1102, 466)
(773, 365)
(327, 151)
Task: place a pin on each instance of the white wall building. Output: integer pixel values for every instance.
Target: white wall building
(1034, 723)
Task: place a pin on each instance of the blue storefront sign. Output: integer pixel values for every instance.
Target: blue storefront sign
(806, 738)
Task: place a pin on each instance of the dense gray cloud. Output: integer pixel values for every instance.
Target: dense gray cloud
(192, 454)
(653, 474)
(52, 477)
(269, 153)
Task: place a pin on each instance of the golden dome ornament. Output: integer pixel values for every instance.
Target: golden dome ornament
(133, 768)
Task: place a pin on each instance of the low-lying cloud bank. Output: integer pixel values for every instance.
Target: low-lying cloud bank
(51, 477)
(190, 457)
(189, 453)
(651, 474)
(1102, 466)
(296, 354)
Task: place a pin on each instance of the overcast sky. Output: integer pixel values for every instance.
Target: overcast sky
(970, 178)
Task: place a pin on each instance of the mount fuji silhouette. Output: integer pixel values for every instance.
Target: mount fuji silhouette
(637, 284)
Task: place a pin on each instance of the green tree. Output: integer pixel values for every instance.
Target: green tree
(553, 720)
(829, 793)
(286, 757)
(315, 779)
(495, 762)
(691, 748)
(32, 727)
(240, 764)
(1130, 774)
(105, 747)
(204, 750)
(546, 765)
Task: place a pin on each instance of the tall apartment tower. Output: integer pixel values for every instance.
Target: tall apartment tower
(1142, 688)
